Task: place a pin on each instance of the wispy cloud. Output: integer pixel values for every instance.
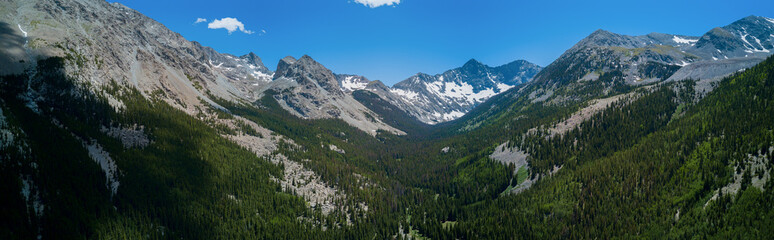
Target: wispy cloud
(200, 20)
(230, 24)
(378, 3)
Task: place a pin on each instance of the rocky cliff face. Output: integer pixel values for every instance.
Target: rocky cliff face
(307, 89)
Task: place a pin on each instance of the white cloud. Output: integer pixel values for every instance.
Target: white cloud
(200, 20)
(378, 3)
(230, 24)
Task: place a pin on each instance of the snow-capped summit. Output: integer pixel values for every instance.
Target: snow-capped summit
(443, 97)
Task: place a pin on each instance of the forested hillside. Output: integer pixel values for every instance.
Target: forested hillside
(650, 168)
(656, 165)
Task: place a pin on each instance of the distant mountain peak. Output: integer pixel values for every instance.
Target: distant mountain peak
(750, 37)
(751, 18)
(474, 66)
(603, 38)
(253, 59)
(288, 59)
(601, 32)
(473, 62)
(306, 71)
(451, 94)
(307, 58)
(283, 66)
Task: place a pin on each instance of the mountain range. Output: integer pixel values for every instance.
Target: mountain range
(113, 126)
(447, 96)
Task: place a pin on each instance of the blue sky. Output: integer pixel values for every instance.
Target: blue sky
(393, 42)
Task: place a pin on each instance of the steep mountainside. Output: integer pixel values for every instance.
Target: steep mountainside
(106, 42)
(750, 36)
(109, 42)
(307, 89)
(656, 56)
(656, 166)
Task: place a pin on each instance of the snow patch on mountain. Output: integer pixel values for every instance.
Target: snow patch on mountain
(447, 96)
(504, 87)
(463, 92)
(749, 47)
(680, 40)
(22, 30)
(350, 84)
(408, 94)
(453, 115)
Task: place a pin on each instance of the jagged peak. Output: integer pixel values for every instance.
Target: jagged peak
(376, 84)
(472, 62)
(601, 32)
(751, 18)
(751, 21)
(307, 60)
(423, 76)
(305, 70)
(473, 66)
(252, 58)
(308, 63)
(604, 38)
(718, 32)
(288, 60)
(250, 54)
(520, 62)
(283, 66)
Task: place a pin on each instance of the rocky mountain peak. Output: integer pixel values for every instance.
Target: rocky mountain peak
(252, 59)
(760, 28)
(518, 72)
(718, 38)
(603, 38)
(283, 66)
(377, 84)
(289, 60)
(307, 71)
(601, 33)
(418, 78)
(749, 36)
(473, 64)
